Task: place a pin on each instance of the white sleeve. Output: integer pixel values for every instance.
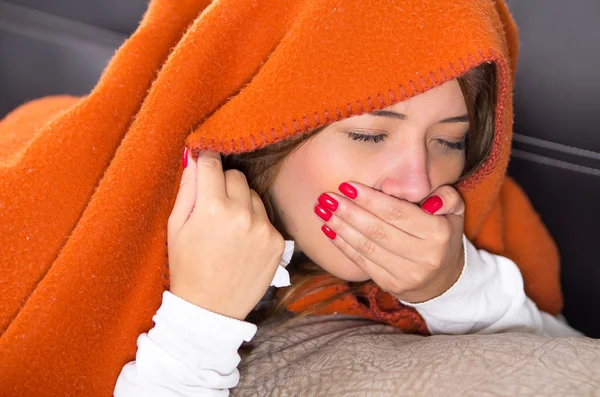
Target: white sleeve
(190, 351)
(489, 297)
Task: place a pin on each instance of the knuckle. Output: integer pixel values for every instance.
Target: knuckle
(418, 277)
(377, 232)
(432, 261)
(235, 174)
(256, 197)
(341, 228)
(209, 162)
(278, 243)
(394, 213)
(350, 215)
(216, 207)
(450, 199)
(243, 220)
(265, 229)
(366, 247)
(357, 258)
(395, 286)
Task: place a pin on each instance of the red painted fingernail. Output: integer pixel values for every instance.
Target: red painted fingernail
(184, 158)
(322, 212)
(328, 232)
(432, 204)
(348, 190)
(328, 202)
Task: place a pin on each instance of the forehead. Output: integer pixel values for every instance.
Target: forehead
(447, 95)
(443, 101)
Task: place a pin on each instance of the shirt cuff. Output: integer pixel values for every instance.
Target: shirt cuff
(200, 322)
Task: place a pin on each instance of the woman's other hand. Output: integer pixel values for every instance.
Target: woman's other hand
(414, 253)
(223, 250)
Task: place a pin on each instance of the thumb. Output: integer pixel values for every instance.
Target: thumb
(186, 196)
(444, 200)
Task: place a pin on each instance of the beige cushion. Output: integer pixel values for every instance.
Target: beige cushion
(346, 356)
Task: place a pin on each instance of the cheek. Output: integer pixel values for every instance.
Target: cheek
(307, 173)
(316, 167)
(446, 169)
(298, 184)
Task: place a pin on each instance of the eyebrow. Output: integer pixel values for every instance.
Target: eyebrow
(387, 113)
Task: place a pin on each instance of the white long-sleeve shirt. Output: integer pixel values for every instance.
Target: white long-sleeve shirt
(194, 352)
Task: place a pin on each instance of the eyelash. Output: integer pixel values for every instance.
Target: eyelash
(381, 137)
(365, 137)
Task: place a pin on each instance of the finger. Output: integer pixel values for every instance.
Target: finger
(370, 250)
(402, 214)
(186, 195)
(236, 186)
(378, 274)
(444, 200)
(210, 178)
(257, 205)
(369, 225)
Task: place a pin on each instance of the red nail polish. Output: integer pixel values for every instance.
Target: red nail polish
(184, 157)
(328, 232)
(432, 204)
(348, 190)
(328, 202)
(322, 212)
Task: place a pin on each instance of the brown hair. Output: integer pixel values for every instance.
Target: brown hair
(261, 167)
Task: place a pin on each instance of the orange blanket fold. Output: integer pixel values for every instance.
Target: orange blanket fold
(87, 184)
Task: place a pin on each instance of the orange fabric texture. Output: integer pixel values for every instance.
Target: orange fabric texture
(87, 184)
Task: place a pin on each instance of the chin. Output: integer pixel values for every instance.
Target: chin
(349, 271)
(337, 263)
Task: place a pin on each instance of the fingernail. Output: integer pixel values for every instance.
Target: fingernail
(432, 204)
(348, 190)
(184, 158)
(328, 202)
(328, 232)
(322, 212)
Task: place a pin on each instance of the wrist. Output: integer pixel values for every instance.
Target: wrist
(195, 320)
(209, 302)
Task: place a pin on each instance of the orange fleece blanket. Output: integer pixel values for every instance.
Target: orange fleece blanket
(87, 184)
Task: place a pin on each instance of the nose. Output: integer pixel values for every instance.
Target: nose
(407, 178)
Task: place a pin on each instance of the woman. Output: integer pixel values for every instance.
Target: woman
(394, 218)
(91, 185)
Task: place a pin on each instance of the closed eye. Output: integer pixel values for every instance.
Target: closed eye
(460, 145)
(366, 137)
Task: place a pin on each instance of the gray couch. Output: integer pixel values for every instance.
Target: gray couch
(337, 356)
